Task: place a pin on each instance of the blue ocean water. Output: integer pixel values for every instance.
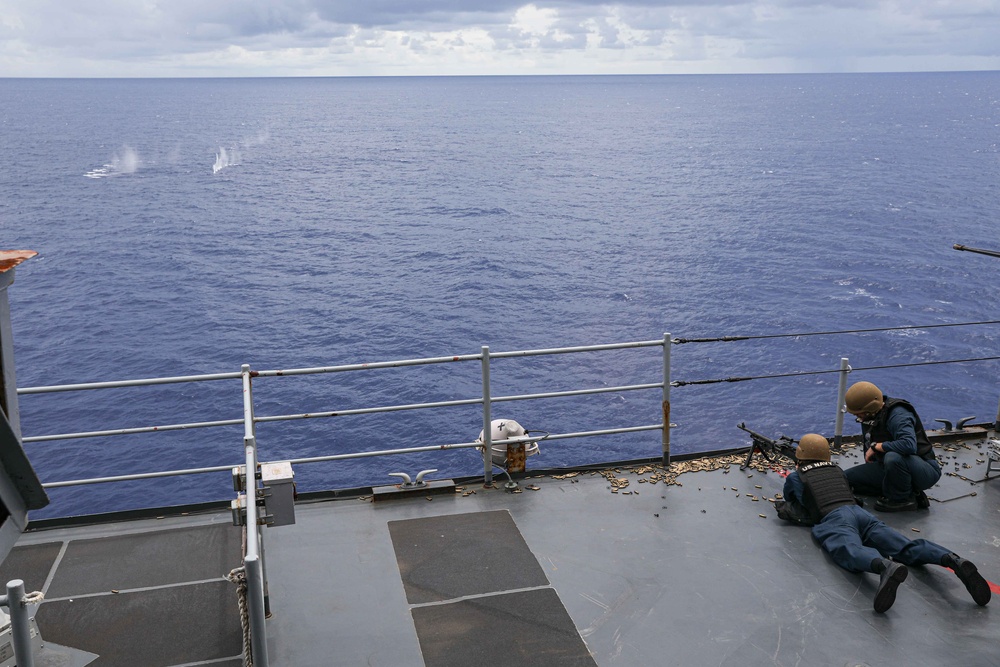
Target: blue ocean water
(191, 226)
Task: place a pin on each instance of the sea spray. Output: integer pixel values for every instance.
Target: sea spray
(231, 157)
(126, 161)
(225, 158)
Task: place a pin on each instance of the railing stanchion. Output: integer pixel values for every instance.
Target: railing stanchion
(255, 602)
(19, 621)
(487, 430)
(838, 429)
(253, 560)
(250, 427)
(666, 399)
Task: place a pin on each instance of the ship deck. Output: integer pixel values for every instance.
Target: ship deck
(575, 569)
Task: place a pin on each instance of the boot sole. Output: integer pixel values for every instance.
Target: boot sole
(974, 582)
(886, 594)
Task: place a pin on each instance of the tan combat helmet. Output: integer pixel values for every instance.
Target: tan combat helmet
(864, 397)
(813, 447)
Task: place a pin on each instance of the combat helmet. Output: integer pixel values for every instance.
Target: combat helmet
(864, 397)
(813, 447)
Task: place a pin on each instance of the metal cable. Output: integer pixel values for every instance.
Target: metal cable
(727, 339)
(682, 383)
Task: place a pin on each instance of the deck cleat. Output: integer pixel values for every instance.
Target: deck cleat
(410, 487)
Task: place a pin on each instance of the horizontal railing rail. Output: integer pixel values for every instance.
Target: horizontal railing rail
(484, 357)
(117, 384)
(339, 413)
(485, 400)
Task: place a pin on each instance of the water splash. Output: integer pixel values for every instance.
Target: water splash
(225, 158)
(126, 161)
(232, 156)
(229, 157)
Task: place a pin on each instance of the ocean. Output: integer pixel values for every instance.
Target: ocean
(191, 226)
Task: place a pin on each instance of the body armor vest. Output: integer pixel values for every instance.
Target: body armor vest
(826, 488)
(879, 432)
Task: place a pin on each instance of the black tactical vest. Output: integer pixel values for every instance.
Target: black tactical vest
(880, 433)
(826, 488)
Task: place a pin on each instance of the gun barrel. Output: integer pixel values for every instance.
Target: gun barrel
(981, 251)
(756, 436)
(769, 448)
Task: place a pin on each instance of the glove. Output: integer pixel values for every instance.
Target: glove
(793, 513)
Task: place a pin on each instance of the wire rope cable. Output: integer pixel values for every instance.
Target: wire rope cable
(728, 339)
(683, 383)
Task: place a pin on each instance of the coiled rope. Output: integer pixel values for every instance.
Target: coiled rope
(239, 577)
(33, 598)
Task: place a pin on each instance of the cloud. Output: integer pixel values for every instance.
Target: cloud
(342, 37)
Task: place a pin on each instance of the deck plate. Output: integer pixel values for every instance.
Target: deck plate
(506, 630)
(140, 560)
(31, 564)
(152, 628)
(456, 555)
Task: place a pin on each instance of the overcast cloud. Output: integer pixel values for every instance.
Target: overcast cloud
(438, 37)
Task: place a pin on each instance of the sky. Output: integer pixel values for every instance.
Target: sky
(195, 38)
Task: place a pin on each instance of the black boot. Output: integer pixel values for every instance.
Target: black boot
(903, 505)
(891, 575)
(967, 571)
(923, 502)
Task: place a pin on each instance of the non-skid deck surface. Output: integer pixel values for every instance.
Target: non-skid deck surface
(163, 626)
(503, 630)
(146, 559)
(481, 596)
(154, 598)
(31, 564)
(456, 555)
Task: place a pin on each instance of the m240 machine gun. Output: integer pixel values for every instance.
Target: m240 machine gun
(772, 450)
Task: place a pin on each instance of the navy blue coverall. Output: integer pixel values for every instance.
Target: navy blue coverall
(900, 472)
(854, 537)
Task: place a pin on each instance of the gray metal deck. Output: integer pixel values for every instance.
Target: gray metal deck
(568, 574)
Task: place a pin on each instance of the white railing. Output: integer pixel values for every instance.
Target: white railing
(253, 560)
(485, 400)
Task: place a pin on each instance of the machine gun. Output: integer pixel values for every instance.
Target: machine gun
(771, 450)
